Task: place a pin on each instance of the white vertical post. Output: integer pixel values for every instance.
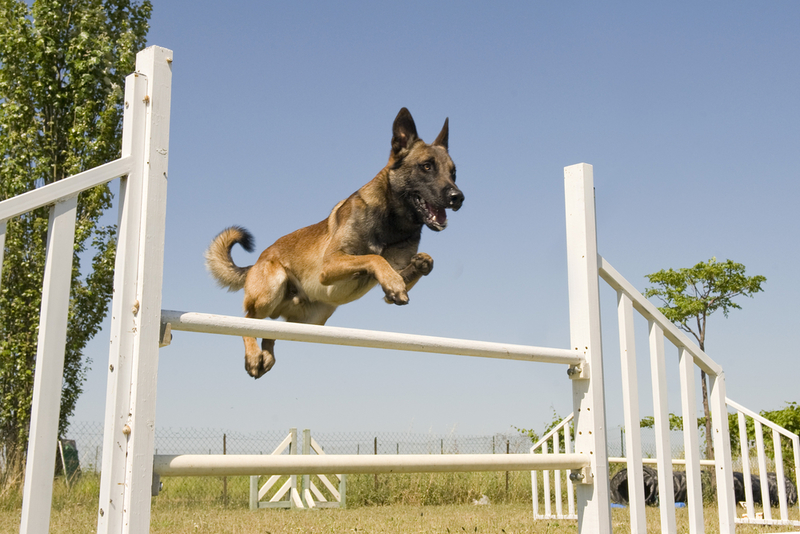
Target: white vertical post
(2, 249)
(535, 492)
(748, 481)
(630, 404)
(305, 487)
(125, 487)
(762, 468)
(594, 506)
(570, 487)
(548, 508)
(691, 443)
(722, 452)
(796, 452)
(658, 370)
(48, 377)
(557, 481)
(779, 476)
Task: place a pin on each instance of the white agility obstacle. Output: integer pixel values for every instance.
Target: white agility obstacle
(139, 326)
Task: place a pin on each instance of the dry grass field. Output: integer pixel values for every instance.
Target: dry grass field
(430, 504)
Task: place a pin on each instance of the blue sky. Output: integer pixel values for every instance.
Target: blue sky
(689, 113)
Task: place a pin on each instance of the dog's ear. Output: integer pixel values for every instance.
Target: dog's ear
(404, 131)
(441, 140)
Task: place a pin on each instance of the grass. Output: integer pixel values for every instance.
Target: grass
(399, 503)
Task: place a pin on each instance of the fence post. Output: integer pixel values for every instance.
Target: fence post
(594, 507)
(225, 479)
(126, 480)
(49, 374)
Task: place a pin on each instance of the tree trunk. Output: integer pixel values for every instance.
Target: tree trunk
(707, 414)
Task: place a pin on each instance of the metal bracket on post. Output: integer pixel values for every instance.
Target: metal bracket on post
(165, 337)
(578, 372)
(156, 488)
(581, 476)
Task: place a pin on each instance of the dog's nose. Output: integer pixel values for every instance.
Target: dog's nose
(456, 198)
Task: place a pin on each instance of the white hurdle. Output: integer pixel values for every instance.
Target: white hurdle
(139, 326)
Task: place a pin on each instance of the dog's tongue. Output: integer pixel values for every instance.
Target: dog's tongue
(439, 215)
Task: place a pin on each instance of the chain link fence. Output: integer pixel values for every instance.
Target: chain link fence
(89, 442)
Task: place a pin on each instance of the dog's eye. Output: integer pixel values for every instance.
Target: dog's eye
(427, 166)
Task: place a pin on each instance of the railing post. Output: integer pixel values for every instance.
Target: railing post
(49, 373)
(124, 505)
(722, 451)
(594, 507)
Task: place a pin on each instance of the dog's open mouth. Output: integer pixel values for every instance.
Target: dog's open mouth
(434, 217)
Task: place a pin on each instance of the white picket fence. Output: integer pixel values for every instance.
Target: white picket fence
(139, 326)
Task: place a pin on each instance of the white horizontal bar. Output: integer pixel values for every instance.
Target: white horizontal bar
(252, 464)
(51, 193)
(238, 326)
(654, 461)
(650, 312)
(760, 419)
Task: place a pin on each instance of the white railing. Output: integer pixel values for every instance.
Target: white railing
(690, 357)
(550, 442)
(781, 484)
(142, 164)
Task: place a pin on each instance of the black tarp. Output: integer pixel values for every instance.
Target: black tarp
(619, 487)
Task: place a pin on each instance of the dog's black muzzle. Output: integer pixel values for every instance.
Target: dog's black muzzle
(454, 198)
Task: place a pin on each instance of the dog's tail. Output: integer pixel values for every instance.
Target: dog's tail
(219, 261)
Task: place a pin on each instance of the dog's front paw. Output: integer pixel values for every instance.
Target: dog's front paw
(422, 262)
(258, 364)
(396, 291)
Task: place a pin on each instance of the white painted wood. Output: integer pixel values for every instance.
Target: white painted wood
(557, 480)
(271, 481)
(123, 322)
(691, 442)
(548, 506)
(651, 313)
(318, 496)
(654, 461)
(243, 465)
(796, 450)
(51, 193)
(594, 505)
(306, 481)
(535, 493)
(124, 505)
(2, 248)
(746, 474)
(287, 486)
(722, 447)
(630, 404)
(239, 326)
(570, 487)
(156, 64)
(658, 370)
(48, 377)
(780, 479)
(294, 497)
(762, 468)
(760, 419)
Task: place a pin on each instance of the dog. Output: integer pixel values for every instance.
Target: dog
(370, 238)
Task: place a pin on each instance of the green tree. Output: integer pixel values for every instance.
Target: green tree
(62, 69)
(788, 418)
(691, 294)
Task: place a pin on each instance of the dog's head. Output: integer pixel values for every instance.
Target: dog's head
(423, 174)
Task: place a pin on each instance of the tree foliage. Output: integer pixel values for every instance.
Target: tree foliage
(690, 295)
(787, 417)
(62, 70)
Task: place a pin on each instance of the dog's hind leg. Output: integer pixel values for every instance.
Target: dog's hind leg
(264, 292)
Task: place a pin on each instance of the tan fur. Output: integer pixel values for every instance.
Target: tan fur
(369, 238)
